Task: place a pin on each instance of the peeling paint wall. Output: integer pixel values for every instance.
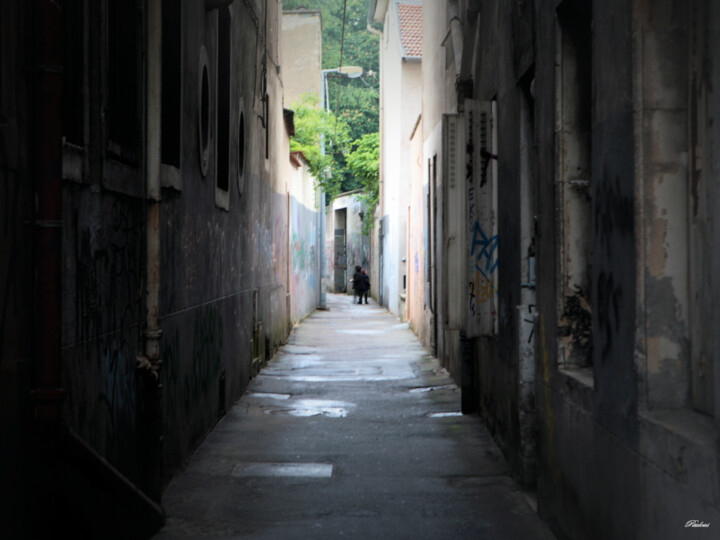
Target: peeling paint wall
(592, 347)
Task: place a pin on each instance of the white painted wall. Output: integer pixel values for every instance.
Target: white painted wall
(402, 98)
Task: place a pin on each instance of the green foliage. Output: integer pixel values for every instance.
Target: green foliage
(363, 163)
(314, 128)
(355, 102)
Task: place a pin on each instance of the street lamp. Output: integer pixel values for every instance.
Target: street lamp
(352, 72)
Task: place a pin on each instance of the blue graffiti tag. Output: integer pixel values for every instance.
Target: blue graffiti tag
(484, 251)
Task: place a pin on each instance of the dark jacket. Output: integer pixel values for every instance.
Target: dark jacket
(365, 282)
(357, 281)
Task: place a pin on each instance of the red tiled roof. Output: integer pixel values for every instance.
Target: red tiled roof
(410, 20)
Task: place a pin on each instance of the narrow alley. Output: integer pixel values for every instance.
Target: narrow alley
(352, 431)
(528, 192)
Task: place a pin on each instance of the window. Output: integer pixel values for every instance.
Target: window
(171, 81)
(573, 136)
(123, 78)
(73, 71)
(223, 101)
(204, 113)
(222, 176)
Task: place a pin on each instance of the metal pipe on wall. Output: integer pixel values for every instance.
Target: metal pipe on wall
(150, 362)
(152, 178)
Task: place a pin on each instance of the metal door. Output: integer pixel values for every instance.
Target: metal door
(340, 261)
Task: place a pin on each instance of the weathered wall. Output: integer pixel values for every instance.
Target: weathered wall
(103, 251)
(402, 95)
(16, 271)
(494, 227)
(632, 410)
(416, 300)
(435, 102)
(224, 273)
(225, 265)
(304, 253)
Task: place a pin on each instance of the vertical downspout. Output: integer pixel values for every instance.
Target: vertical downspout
(149, 364)
(46, 109)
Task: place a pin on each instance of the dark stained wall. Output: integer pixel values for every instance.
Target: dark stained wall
(224, 269)
(501, 65)
(16, 270)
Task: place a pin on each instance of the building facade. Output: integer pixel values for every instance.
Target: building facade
(157, 245)
(569, 170)
(401, 87)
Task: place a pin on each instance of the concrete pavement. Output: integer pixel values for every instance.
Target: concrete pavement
(351, 431)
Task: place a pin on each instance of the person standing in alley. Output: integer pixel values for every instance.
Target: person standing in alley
(357, 285)
(365, 286)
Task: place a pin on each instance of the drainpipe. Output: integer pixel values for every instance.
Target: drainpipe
(46, 106)
(149, 364)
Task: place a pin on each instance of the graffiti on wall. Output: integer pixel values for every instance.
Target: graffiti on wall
(271, 242)
(170, 355)
(304, 259)
(106, 256)
(119, 394)
(484, 261)
(109, 270)
(206, 354)
(483, 249)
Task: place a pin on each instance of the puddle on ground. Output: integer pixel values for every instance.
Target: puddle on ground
(305, 470)
(304, 408)
(268, 395)
(298, 349)
(431, 388)
(444, 414)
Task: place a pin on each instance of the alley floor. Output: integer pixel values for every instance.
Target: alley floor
(351, 431)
